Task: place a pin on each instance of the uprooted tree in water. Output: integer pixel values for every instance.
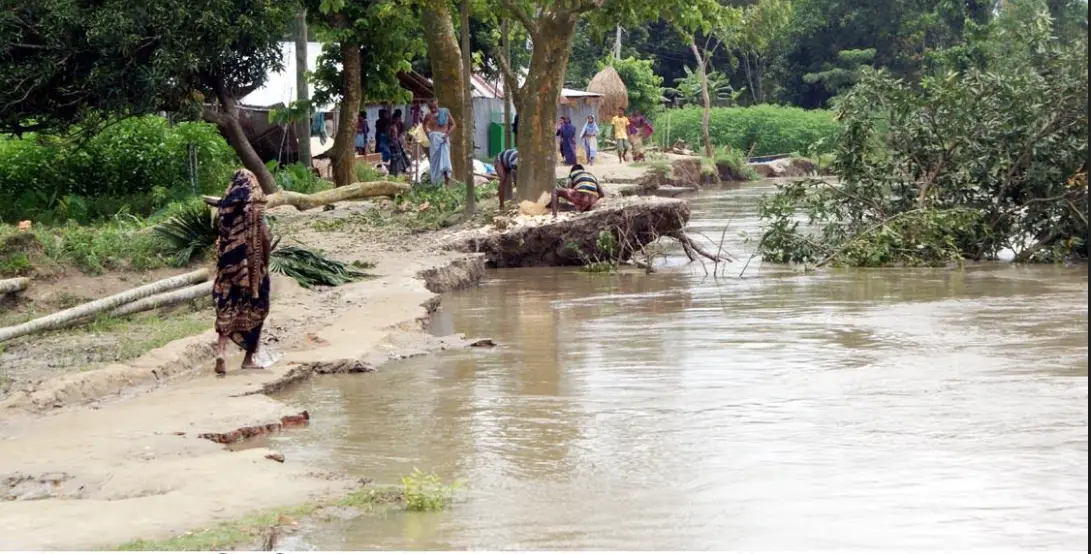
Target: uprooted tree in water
(967, 165)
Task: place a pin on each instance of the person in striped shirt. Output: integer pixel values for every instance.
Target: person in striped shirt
(583, 190)
(506, 165)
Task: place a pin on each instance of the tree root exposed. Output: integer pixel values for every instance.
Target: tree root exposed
(614, 230)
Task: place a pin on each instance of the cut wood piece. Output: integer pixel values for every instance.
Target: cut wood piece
(13, 285)
(354, 191)
(573, 239)
(75, 314)
(192, 292)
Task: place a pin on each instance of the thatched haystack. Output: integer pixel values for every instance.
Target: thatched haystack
(613, 90)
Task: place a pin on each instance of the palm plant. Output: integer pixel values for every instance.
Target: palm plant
(687, 89)
(191, 231)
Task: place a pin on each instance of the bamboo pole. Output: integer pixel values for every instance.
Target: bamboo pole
(13, 285)
(74, 314)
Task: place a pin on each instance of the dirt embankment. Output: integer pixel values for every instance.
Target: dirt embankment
(135, 450)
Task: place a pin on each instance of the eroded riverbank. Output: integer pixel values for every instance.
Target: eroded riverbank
(97, 459)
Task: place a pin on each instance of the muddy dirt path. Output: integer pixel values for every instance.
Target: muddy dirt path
(98, 458)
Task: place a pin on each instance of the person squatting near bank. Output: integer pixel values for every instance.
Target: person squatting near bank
(506, 166)
(583, 190)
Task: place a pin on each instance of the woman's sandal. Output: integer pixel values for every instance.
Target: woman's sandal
(221, 366)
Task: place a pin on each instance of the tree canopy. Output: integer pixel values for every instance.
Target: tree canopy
(67, 62)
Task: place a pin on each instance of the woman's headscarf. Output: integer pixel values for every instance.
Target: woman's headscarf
(589, 125)
(241, 213)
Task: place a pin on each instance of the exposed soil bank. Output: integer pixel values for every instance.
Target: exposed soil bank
(89, 463)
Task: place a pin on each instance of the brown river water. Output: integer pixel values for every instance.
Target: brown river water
(934, 408)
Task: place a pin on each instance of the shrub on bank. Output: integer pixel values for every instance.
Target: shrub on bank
(134, 166)
(768, 129)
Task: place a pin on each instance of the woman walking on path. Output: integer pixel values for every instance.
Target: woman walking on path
(567, 132)
(639, 129)
(399, 162)
(382, 136)
(241, 288)
(589, 136)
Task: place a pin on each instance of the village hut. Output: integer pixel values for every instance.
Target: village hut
(613, 91)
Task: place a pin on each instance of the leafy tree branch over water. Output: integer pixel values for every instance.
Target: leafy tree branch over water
(958, 168)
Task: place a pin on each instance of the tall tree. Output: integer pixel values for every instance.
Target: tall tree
(715, 18)
(467, 109)
(368, 42)
(761, 28)
(445, 56)
(67, 63)
(303, 91)
(536, 99)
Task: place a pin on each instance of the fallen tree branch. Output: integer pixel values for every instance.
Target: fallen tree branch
(303, 202)
(76, 313)
(13, 285)
(687, 243)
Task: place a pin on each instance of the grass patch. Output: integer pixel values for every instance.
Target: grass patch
(426, 492)
(731, 165)
(120, 338)
(421, 492)
(91, 249)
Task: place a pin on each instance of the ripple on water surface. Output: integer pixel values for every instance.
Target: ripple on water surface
(870, 409)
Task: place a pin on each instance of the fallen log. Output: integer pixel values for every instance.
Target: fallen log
(13, 285)
(303, 202)
(77, 313)
(193, 292)
(574, 239)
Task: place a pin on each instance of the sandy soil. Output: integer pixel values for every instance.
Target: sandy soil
(94, 459)
(98, 458)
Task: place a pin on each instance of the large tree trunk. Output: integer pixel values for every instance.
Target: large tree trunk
(303, 93)
(227, 119)
(467, 110)
(343, 151)
(505, 41)
(65, 317)
(445, 55)
(702, 67)
(538, 104)
(354, 191)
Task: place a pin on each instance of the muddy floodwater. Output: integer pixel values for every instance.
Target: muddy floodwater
(842, 409)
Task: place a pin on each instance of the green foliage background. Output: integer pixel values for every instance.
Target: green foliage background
(137, 166)
(769, 129)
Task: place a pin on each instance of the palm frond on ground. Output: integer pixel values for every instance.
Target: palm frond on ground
(310, 268)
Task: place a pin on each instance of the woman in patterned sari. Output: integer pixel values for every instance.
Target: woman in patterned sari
(241, 288)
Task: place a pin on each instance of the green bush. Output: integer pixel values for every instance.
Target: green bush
(298, 178)
(768, 129)
(135, 166)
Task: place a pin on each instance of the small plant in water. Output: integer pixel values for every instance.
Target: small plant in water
(426, 492)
